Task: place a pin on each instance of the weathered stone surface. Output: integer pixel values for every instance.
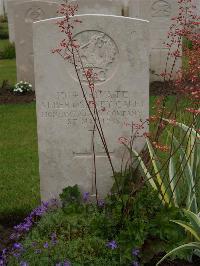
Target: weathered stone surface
(107, 7)
(12, 12)
(112, 7)
(117, 48)
(25, 14)
(159, 13)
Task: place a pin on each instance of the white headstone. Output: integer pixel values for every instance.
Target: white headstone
(12, 12)
(160, 14)
(108, 7)
(25, 14)
(117, 48)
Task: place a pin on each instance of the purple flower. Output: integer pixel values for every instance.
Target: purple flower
(66, 263)
(29, 221)
(101, 203)
(46, 245)
(112, 244)
(38, 251)
(135, 252)
(33, 244)
(23, 263)
(54, 239)
(16, 255)
(4, 251)
(59, 264)
(86, 196)
(2, 262)
(17, 246)
(135, 263)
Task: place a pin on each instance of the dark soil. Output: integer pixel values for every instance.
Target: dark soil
(159, 88)
(196, 262)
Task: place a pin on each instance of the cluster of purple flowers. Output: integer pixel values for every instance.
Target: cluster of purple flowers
(3, 257)
(29, 221)
(86, 198)
(25, 227)
(135, 254)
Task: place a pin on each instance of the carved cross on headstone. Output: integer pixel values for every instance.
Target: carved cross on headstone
(93, 154)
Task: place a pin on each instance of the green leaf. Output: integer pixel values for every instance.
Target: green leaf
(172, 180)
(194, 220)
(160, 180)
(146, 172)
(187, 171)
(188, 227)
(192, 245)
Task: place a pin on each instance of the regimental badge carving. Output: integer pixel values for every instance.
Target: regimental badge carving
(34, 14)
(98, 52)
(161, 8)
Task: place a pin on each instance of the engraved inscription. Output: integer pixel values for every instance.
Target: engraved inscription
(34, 14)
(161, 8)
(98, 52)
(115, 107)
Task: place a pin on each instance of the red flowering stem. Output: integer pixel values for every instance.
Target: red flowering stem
(99, 128)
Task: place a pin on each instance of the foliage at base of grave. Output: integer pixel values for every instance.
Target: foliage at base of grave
(176, 178)
(4, 30)
(86, 233)
(193, 229)
(8, 51)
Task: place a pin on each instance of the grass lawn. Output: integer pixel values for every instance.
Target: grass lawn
(8, 71)
(19, 177)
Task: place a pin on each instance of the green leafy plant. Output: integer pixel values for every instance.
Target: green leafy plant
(3, 18)
(8, 52)
(193, 228)
(71, 199)
(87, 234)
(183, 166)
(4, 31)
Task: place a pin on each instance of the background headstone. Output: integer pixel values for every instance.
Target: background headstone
(159, 13)
(107, 7)
(12, 12)
(112, 7)
(25, 14)
(117, 47)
